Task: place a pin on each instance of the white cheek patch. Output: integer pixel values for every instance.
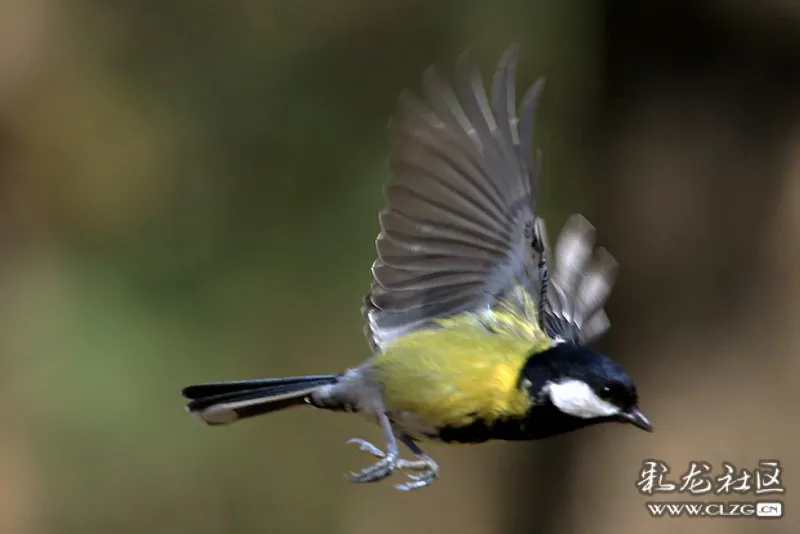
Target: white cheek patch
(576, 398)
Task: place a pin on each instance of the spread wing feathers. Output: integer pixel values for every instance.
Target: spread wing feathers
(580, 284)
(456, 234)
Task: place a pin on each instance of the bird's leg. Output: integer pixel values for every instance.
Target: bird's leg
(388, 460)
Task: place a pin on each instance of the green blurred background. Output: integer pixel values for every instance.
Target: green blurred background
(189, 191)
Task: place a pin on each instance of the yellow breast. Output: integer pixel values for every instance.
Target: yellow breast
(455, 375)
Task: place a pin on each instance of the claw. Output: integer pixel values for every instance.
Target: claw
(366, 446)
(417, 483)
(413, 465)
(428, 471)
(377, 471)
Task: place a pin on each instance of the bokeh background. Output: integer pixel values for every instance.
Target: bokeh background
(189, 190)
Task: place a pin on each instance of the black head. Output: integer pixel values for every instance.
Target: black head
(584, 384)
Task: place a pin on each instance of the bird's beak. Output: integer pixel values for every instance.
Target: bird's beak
(637, 419)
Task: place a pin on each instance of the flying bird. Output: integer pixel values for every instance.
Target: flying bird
(472, 339)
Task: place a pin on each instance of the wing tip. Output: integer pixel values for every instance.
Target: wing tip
(577, 224)
(530, 100)
(465, 56)
(511, 52)
(606, 259)
(431, 75)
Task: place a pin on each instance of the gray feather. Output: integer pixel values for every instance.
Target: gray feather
(457, 231)
(580, 285)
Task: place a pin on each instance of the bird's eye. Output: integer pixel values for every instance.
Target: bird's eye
(610, 391)
(618, 394)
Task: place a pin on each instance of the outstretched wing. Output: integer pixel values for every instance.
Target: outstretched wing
(581, 283)
(457, 233)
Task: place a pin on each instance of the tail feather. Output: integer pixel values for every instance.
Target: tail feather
(220, 403)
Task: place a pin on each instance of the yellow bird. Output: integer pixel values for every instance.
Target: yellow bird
(471, 339)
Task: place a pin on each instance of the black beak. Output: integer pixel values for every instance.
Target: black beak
(637, 419)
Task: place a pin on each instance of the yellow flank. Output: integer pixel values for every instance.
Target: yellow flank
(460, 371)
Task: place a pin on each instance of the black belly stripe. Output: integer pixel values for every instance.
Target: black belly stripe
(480, 431)
(540, 422)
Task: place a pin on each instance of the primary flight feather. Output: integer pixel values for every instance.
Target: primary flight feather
(472, 339)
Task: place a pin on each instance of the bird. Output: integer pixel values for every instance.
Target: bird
(472, 338)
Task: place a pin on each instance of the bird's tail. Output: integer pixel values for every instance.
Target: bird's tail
(221, 403)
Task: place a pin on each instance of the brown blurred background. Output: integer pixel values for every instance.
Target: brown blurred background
(189, 190)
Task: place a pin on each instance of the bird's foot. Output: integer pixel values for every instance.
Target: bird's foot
(379, 470)
(427, 469)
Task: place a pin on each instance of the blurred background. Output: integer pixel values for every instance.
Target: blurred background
(189, 191)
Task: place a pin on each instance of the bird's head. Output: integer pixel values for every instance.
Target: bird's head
(584, 384)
